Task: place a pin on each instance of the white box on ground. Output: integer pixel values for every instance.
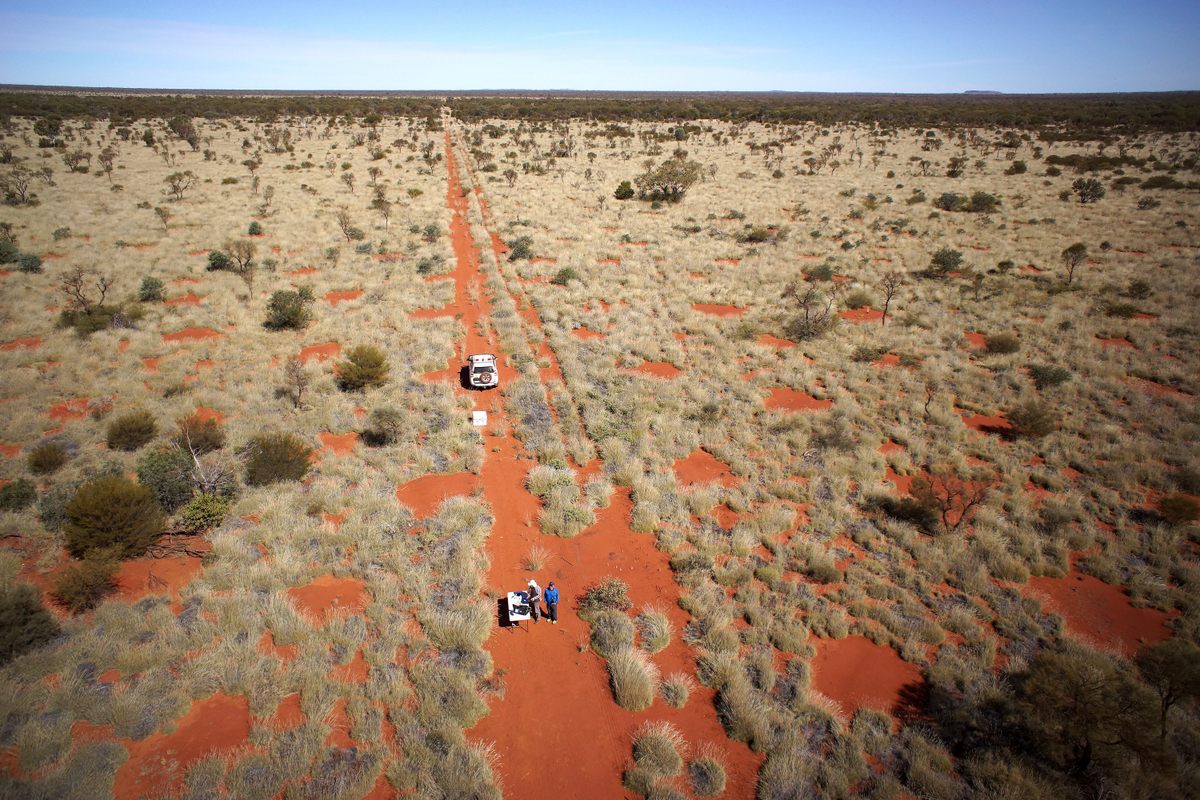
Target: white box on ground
(479, 418)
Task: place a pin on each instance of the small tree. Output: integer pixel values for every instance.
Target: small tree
(510, 175)
(295, 381)
(384, 208)
(891, 284)
(624, 191)
(365, 366)
(945, 261)
(179, 183)
(670, 181)
(1172, 668)
(345, 222)
(289, 309)
(952, 498)
(1072, 257)
(106, 158)
(75, 285)
(164, 216)
(348, 179)
(814, 311)
(1089, 190)
(241, 254)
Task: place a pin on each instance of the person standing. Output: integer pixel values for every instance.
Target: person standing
(535, 598)
(552, 602)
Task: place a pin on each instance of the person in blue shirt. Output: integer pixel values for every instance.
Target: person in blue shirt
(551, 596)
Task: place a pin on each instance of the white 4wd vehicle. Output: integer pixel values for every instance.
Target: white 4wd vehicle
(481, 371)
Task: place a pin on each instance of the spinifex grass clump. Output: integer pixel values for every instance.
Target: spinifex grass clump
(115, 515)
(47, 458)
(131, 431)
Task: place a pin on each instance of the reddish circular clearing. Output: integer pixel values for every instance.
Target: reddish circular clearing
(587, 333)
(718, 309)
(703, 467)
(189, 299)
(319, 351)
(857, 673)
(69, 410)
(147, 576)
(977, 340)
(333, 298)
(775, 341)
(860, 315)
(203, 414)
(426, 493)
(302, 272)
(22, 344)
(729, 262)
(1101, 612)
(986, 424)
(190, 334)
(657, 369)
(793, 400)
(328, 595)
(157, 763)
(340, 444)
(10, 450)
(610, 262)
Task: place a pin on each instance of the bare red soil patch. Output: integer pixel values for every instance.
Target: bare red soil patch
(860, 315)
(657, 369)
(775, 341)
(320, 352)
(703, 467)
(857, 673)
(1156, 389)
(353, 671)
(729, 262)
(610, 262)
(891, 447)
(887, 360)
(977, 340)
(10, 450)
(587, 333)
(543, 260)
(288, 714)
(340, 444)
(147, 576)
(327, 596)
(69, 410)
(204, 414)
(28, 343)
(333, 298)
(284, 652)
(426, 493)
(191, 334)
(157, 763)
(986, 424)
(1101, 612)
(189, 299)
(1145, 317)
(793, 400)
(1116, 342)
(718, 309)
(302, 272)
(197, 252)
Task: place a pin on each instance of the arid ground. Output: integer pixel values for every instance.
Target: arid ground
(863, 458)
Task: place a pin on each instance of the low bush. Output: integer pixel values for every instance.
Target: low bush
(1046, 376)
(611, 632)
(218, 260)
(131, 431)
(944, 261)
(85, 322)
(1178, 509)
(706, 773)
(1032, 419)
(9, 253)
(1002, 344)
(152, 290)
(18, 495)
(115, 515)
(203, 512)
(29, 263)
(168, 474)
(200, 435)
(676, 688)
(47, 458)
(24, 622)
(385, 426)
(520, 249)
(274, 457)
(656, 748)
(365, 366)
(255, 229)
(859, 298)
(624, 191)
(82, 586)
(634, 679)
(289, 310)
(905, 509)
(564, 276)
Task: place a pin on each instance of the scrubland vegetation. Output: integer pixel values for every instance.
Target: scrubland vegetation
(861, 382)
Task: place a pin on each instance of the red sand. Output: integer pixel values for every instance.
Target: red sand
(189, 299)
(986, 424)
(587, 333)
(353, 671)
(333, 298)
(1100, 612)
(191, 334)
(426, 493)
(719, 310)
(860, 315)
(1156, 389)
(792, 400)
(10, 450)
(1116, 342)
(858, 673)
(775, 341)
(69, 410)
(729, 262)
(977, 340)
(267, 646)
(703, 467)
(302, 272)
(288, 714)
(320, 352)
(888, 360)
(147, 576)
(340, 444)
(658, 369)
(28, 343)
(611, 262)
(204, 414)
(891, 447)
(328, 595)
(157, 763)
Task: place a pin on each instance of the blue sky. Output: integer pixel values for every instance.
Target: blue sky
(855, 45)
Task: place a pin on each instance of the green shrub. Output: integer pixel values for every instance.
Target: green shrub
(624, 191)
(824, 272)
(18, 495)
(1032, 418)
(52, 506)
(944, 261)
(203, 512)
(386, 426)
(1046, 376)
(984, 203)
(859, 298)
(289, 310)
(1178, 509)
(1017, 168)
(520, 248)
(114, 514)
(168, 474)
(949, 201)
(200, 436)
(564, 276)
(29, 263)
(61, 233)
(87, 322)
(274, 457)
(365, 366)
(82, 586)
(609, 594)
(255, 229)
(152, 290)
(9, 253)
(217, 260)
(131, 431)
(656, 749)
(47, 458)
(1089, 190)
(1002, 344)
(24, 621)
